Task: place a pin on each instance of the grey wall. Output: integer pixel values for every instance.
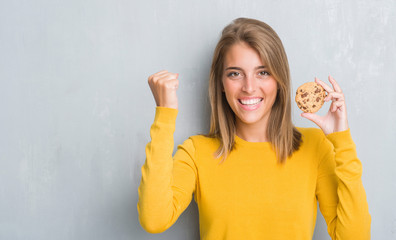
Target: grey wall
(76, 107)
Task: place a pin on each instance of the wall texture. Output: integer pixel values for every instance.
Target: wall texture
(76, 107)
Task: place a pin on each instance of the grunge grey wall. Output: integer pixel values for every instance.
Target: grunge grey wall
(76, 108)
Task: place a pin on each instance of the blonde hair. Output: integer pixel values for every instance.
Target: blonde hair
(283, 136)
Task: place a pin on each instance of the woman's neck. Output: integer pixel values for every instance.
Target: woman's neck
(252, 132)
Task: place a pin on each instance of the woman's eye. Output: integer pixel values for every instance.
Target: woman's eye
(233, 74)
(264, 73)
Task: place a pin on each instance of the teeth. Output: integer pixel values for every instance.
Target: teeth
(251, 101)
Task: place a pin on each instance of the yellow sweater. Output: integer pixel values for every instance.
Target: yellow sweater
(250, 196)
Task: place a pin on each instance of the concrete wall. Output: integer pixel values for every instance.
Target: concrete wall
(76, 107)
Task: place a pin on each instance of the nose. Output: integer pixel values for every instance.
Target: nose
(249, 84)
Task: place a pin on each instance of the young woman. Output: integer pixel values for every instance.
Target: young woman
(255, 175)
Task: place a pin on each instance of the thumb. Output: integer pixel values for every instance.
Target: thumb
(313, 117)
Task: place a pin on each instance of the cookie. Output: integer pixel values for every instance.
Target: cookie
(310, 97)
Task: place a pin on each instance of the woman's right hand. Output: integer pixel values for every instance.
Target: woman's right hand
(163, 85)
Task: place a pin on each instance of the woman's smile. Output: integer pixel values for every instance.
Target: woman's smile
(250, 104)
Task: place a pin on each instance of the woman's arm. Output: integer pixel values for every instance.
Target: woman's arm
(167, 183)
(339, 189)
(342, 198)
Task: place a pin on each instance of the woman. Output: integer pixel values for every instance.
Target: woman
(255, 175)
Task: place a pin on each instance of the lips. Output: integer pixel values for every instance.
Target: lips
(250, 104)
(250, 101)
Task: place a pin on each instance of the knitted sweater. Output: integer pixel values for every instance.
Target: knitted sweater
(250, 195)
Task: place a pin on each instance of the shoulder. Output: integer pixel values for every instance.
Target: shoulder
(315, 139)
(200, 146)
(201, 143)
(202, 140)
(311, 135)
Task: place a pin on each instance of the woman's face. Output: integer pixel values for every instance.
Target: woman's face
(249, 87)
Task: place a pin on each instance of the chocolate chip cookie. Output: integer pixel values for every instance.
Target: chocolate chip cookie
(310, 97)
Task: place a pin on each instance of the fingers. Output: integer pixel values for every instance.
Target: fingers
(335, 84)
(158, 74)
(171, 84)
(337, 105)
(324, 85)
(313, 117)
(163, 85)
(334, 96)
(328, 89)
(164, 78)
(162, 75)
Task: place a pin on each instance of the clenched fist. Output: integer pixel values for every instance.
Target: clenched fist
(163, 85)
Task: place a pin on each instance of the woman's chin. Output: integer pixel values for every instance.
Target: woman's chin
(249, 120)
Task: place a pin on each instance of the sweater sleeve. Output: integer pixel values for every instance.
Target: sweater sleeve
(167, 182)
(342, 198)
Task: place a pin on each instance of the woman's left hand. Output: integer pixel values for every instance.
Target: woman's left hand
(336, 118)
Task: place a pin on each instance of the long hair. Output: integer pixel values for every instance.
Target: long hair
(282, 134)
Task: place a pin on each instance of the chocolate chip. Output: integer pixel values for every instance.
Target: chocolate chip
(313, 105)
(317, 99)
(304, 95)
(317, 90)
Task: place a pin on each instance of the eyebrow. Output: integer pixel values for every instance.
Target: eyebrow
(238, 68)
